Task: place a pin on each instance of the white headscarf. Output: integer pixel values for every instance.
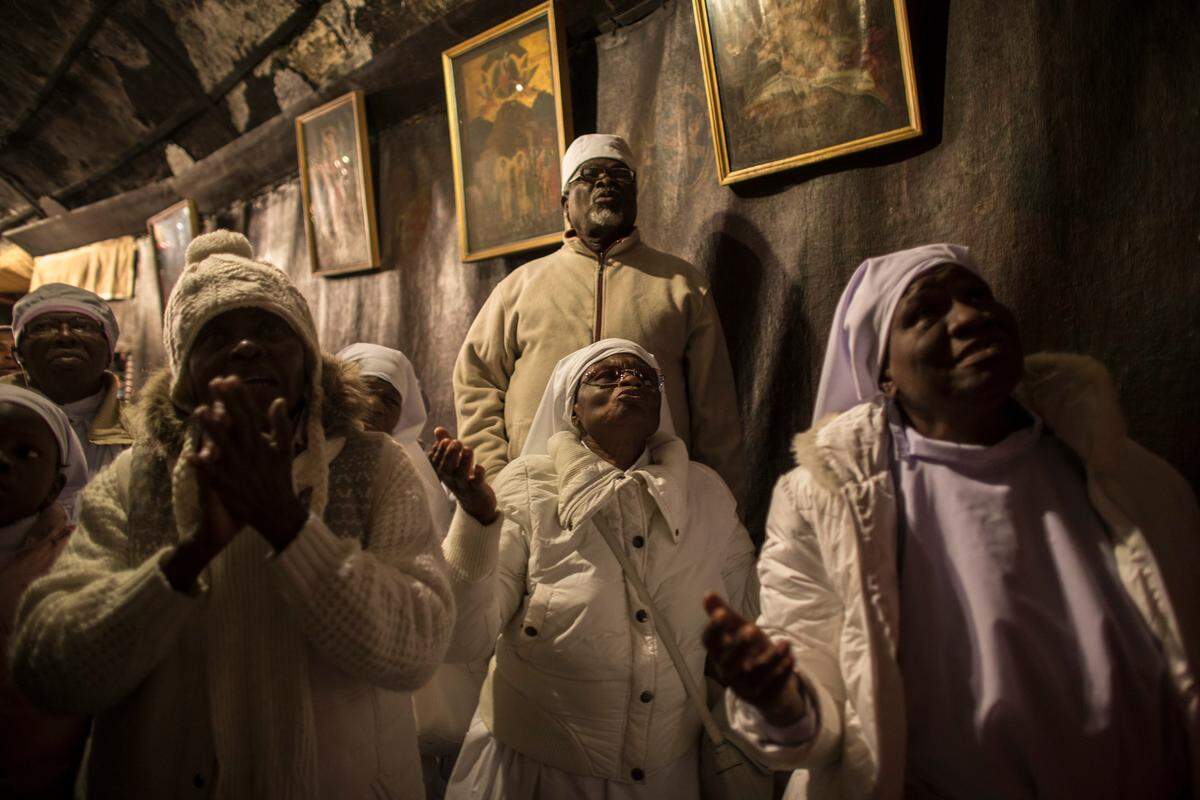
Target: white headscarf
(554, 412)
(377, 361)
(594, 145)
(858, 337)
(72, 462)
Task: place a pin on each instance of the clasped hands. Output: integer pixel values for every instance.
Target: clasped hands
(243, 464)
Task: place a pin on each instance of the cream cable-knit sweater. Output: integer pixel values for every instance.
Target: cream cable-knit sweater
(106, 634)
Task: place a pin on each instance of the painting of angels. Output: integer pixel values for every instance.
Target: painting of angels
(508, 126)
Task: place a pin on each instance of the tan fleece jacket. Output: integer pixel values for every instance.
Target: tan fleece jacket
(555, 305)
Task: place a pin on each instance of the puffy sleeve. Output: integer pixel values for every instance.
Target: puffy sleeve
(799, 605)
(383, 611)
(93, 628)
(488, 566)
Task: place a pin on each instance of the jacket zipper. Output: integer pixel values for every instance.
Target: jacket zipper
(599, 298)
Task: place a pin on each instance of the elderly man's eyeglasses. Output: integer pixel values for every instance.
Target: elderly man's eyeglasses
(609, 377)
(593, 173)
(50, 326)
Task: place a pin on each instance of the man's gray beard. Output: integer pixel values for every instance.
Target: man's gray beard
(605, 219)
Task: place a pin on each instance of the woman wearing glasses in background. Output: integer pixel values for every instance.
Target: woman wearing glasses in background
(582, 699)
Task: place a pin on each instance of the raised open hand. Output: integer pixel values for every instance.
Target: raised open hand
(247, 461)
(760, 672)
(455, 466)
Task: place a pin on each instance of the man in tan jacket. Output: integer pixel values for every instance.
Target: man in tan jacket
(603, 282)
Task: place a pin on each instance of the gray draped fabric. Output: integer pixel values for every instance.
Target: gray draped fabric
(1062, 147)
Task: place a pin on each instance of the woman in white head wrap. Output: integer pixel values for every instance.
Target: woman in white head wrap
(943, 614)
(40, 455)
(582, 700)
(382, 365)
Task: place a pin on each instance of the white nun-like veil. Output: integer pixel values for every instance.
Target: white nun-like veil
(858, 337)
(377, 361)
(554, 412)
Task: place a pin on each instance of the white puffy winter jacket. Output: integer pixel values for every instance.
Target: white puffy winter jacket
(830, 585)
(580, 680)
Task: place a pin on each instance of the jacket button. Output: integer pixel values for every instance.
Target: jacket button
(636, 774)
(641, 615)
(647, 697)
(639, 541)
(530, 630)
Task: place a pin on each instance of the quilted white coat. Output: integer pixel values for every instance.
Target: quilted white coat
(580, 681)
(830, 584)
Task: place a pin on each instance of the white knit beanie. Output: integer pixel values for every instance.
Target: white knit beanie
(254, 658)
(221, 275)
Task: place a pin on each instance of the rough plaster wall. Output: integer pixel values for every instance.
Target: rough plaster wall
(1060, 151)
(46, 32)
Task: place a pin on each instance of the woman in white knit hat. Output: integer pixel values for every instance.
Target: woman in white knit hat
(256, 583)
(582, 699)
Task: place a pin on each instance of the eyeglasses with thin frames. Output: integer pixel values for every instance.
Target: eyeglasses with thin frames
(592, 174)
(80, 326)
(610, 377)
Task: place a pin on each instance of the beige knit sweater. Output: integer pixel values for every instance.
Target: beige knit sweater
(105, 634)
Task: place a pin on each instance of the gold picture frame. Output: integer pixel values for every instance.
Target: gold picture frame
(787, 88)
(337, 187)
(507, 98)
(171, 231)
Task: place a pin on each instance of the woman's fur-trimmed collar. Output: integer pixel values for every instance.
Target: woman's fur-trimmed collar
(1073, 394)
(161, 425)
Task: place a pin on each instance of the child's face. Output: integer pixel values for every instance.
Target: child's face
(29, 475)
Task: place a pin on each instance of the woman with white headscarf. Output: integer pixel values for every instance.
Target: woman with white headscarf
(40, 456)
(974, 585)
(582, 699)
(397, 407)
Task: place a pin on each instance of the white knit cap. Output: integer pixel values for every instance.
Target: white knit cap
(594, 145)
(859, 335)
(52, 297)
(221, 275)
(271, 752)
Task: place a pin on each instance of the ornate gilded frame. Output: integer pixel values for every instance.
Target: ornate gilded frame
(562, 110)
(726, 175)
(365, 181)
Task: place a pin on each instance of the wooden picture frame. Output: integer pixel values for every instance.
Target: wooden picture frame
(787, 88)
(507, 97)
(337, 187)
(171, 231)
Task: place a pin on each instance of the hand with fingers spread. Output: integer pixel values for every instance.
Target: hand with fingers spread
(455, 466)
(760, 672)
(249, 469)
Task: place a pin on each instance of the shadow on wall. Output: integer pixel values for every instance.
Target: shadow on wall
(771, 363)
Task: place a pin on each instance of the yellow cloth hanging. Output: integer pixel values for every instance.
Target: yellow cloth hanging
(106, 268)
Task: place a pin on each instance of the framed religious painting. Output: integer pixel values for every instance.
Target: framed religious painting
(172, 230)
(790, 82)
(336, 187)
(510, 119)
